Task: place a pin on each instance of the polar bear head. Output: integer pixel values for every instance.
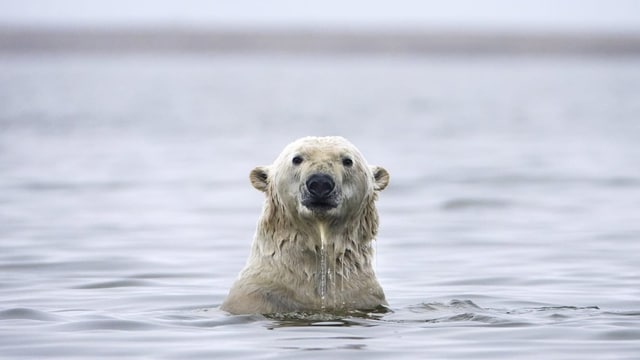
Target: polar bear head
(320, 178)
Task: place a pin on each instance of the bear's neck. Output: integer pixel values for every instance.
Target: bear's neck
(294, 241)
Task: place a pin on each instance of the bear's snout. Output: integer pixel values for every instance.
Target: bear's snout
(320, 185)
(320, 193)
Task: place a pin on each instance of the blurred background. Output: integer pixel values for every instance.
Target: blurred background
(587, 15)
(406, 26)
(128, 130)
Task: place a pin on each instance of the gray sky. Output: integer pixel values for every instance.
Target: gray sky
(575, 15)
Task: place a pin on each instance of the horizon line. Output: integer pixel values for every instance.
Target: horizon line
(312, 40)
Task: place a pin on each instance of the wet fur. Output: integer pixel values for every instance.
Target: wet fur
(283, 274)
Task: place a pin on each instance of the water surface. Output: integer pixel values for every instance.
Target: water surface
(510, 228)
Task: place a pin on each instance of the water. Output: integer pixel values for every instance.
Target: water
(510, 228)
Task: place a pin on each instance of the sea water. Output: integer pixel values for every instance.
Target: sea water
(510, 228)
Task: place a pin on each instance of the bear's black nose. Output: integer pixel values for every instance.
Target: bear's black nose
(320, 185)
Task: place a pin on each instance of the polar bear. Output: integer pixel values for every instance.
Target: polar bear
(312, 249)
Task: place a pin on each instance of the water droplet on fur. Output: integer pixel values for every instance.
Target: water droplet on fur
(342, 276)
(323, 266)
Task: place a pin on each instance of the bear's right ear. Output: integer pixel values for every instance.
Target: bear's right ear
(260, 178)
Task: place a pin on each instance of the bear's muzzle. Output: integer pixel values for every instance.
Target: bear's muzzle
(320, 194)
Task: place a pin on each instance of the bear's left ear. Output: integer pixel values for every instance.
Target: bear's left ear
(260, 178)
(381, 177)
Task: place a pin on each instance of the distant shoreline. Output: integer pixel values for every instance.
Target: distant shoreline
(312, 41)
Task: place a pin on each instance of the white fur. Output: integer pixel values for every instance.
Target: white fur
(285, 267)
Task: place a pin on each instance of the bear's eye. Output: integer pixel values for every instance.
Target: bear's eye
(297, 160)
(347, 162)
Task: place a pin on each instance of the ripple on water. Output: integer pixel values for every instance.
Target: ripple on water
(107, 324)
(27, 314)
(208, 318)
(337, 318)
(466, 312)
(115, 284)
(441, 314)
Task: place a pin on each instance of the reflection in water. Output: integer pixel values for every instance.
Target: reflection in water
(336, 318)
